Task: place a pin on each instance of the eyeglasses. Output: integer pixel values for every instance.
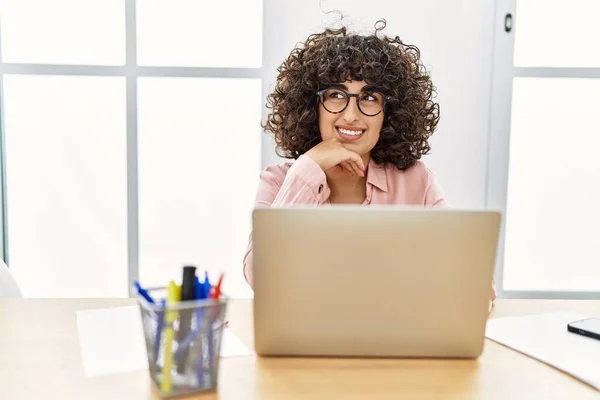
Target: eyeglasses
(335, 100)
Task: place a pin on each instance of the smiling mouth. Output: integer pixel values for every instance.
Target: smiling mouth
(350, 134)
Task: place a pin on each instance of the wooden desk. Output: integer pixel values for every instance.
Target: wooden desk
(40, 359)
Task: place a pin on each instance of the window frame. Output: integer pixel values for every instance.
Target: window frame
(499, 136)
(131, 71)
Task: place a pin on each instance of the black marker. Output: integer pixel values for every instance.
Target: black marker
(188, 292)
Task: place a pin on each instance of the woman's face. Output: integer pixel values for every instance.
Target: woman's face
(355, 130)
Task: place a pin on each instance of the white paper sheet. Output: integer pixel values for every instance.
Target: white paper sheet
(545, 338)
(112, 341)
(232, 346)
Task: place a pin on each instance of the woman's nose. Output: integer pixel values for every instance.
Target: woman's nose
(351, 112)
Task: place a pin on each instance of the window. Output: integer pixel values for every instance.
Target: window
(42, 32)
(66, 184)
(553, 191)
(183, 33)
(118, 119)
(557, 33)
(543, 167)
(188, 159)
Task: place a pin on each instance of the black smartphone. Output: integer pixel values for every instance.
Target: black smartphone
(589, 327)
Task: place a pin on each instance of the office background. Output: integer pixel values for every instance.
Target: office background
(131, 142)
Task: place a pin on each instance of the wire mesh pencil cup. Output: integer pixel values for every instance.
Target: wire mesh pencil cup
(183, 343)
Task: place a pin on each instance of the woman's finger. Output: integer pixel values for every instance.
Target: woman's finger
(348, 167)
(358, 170)
(354, 168)
(357, 160)
(356, 163)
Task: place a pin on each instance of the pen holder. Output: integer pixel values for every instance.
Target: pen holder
(183, 343)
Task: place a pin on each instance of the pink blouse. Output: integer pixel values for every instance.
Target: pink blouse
(304, 182)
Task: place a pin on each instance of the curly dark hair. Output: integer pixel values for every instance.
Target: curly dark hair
(335, 56)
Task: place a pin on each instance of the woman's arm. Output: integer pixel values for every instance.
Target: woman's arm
(303, 183)
(434, 197)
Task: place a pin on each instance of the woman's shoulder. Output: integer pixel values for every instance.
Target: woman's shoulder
(417, 173)
(417, 181)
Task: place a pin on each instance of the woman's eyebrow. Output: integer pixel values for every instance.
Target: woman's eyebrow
(369, 88)
(366, 88)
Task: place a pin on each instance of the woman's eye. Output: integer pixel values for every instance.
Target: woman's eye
(369, 97)
(336, 95)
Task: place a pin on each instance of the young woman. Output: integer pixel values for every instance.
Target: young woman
(355, 112)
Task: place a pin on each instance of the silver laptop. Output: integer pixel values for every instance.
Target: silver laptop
(378, 281)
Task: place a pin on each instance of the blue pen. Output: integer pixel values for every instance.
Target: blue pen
(199, 289)
(159, 329)
(199, 365)
(206, 285)
(208, 323)
(143, 292)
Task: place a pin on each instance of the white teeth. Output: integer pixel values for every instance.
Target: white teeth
(349, 132)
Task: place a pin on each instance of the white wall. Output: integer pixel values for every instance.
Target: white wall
(456, 42)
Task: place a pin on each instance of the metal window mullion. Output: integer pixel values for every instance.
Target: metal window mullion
(3, 207)
(499, 124)
(551, 72)
(132, 145)
(53, 69)
(199, 72)
(551, 294)
(129, 69)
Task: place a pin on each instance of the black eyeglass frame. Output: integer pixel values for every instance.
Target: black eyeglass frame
(349, 96)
